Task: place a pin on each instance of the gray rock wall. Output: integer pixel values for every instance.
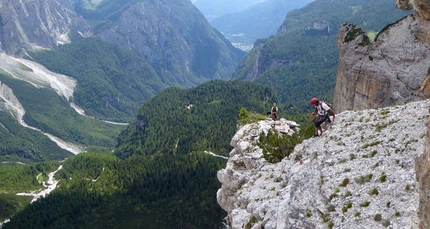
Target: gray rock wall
(32, 23)
(390, 71)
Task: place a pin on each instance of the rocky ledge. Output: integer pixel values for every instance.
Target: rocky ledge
(361, 173)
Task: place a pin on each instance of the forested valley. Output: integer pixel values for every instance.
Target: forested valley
(159, 175)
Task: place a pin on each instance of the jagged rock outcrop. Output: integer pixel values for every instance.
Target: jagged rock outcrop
(243, 159)
(421, 7)
(368, 170)
(389, 71)
(26, 24)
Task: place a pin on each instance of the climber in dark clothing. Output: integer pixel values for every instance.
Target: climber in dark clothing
(273, 112)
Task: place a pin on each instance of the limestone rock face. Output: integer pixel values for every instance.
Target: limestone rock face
(389, 71)
(32, 23)
(245, 158)
(386, 72)
(421, 7)
(369, 169)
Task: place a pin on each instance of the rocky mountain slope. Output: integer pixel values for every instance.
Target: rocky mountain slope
(174, 37)
(366, 171)
(394, 69)
(30, 24)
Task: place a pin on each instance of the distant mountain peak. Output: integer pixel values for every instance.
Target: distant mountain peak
(27, 24)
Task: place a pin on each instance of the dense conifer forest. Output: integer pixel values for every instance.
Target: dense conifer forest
(139, 192)
(165, 124)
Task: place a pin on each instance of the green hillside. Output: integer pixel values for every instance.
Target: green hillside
(300, 64)
(52, 114)
(20, 144)
(159, 176)
(139, 192)
(165, 125)
(112, 83)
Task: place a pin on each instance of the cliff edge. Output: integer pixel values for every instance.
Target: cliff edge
(368, 170)
(392, 70)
